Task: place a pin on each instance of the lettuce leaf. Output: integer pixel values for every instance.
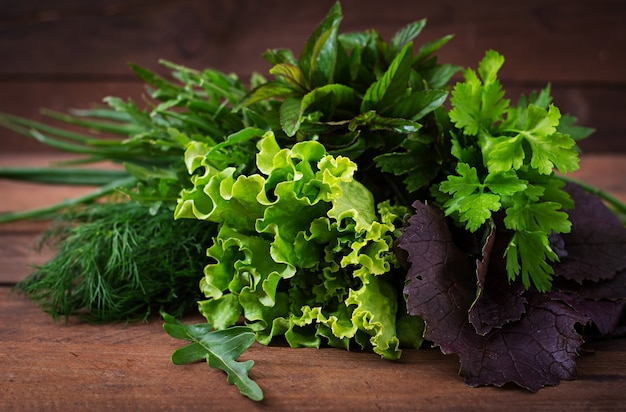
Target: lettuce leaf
(302, 250)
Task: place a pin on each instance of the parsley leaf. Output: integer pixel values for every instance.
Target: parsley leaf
(549, 149)
(474, 200)
(507, 156)
(479, 104)
(532, 249)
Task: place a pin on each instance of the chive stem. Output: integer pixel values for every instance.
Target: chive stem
(48, 210)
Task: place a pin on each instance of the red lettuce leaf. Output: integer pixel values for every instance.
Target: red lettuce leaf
(538, 349)
(612, 289)
(440, 287)
(605, 314)
(497, 301)
(596, 245)
(501, 331)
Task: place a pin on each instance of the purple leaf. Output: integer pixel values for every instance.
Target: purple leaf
(605, 314)
(497, 301)
(613, 289)
(596, 246)
(440, 285)
(536, 351)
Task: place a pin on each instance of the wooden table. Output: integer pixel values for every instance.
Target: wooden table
(56, 366)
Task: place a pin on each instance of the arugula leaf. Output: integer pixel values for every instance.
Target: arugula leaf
(221, 349)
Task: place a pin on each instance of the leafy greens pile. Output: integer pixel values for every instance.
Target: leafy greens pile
(340, 203)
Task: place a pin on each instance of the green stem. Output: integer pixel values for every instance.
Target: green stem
(46, 211)
(62, 176)
(615, 203)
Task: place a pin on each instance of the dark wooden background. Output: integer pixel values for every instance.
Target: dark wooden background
(72, 53)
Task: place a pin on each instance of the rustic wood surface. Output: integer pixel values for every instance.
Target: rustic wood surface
(70, 54)
(56, 366)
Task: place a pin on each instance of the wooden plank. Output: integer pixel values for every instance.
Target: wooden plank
(21, 251)
(604, 171)
(599, 107)
(543, 41)
(56, 366)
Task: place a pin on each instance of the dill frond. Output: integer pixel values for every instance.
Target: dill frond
(118, 262)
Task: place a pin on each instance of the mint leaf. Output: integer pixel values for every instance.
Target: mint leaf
(416, 105)
(392, 85)
(319, 54)
(220, 348)
(406, 35)
(325, 98)
(291, 74)
(417, 164)
(290, 115)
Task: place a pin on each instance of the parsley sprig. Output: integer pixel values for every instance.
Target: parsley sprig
(507, 157)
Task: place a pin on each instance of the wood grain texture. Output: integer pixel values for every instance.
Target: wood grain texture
(70, 53)
(52, 366)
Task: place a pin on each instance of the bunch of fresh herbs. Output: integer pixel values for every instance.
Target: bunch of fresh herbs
(339, 203)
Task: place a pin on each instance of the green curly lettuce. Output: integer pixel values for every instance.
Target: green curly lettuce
(302, 250)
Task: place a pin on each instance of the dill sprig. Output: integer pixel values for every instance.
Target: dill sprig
(117, 261)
